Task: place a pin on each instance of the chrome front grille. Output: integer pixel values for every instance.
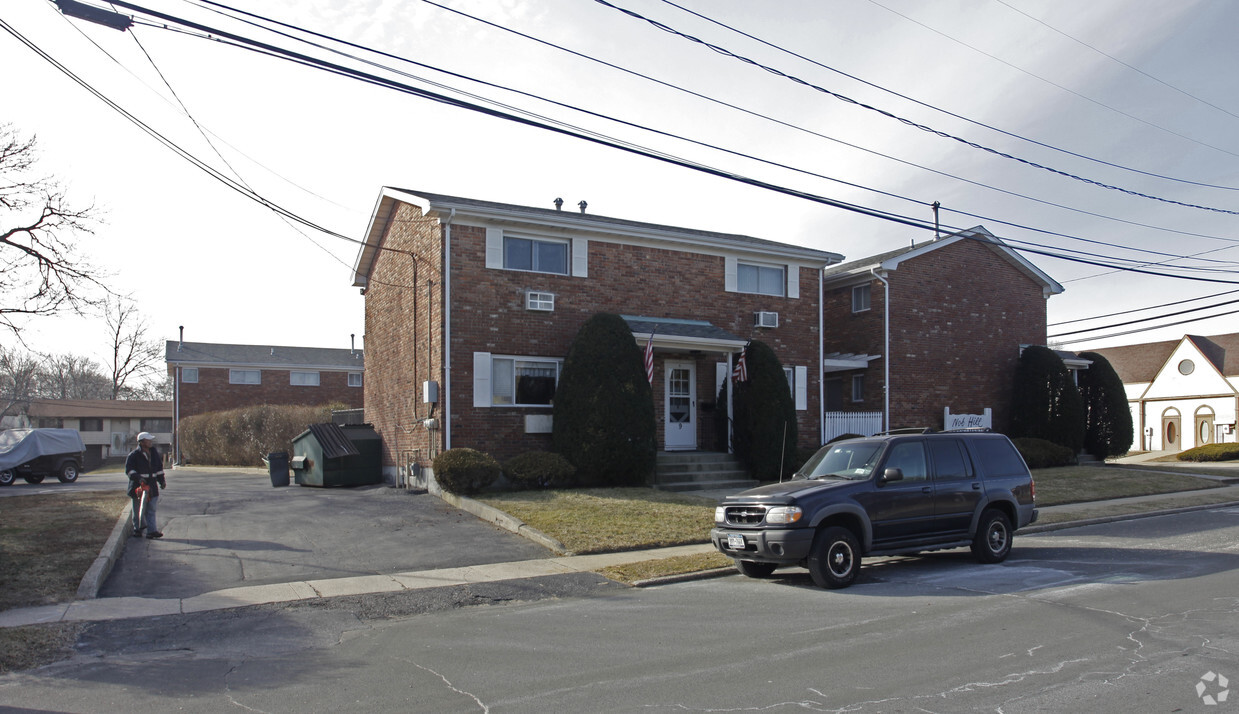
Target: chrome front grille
(745, 515)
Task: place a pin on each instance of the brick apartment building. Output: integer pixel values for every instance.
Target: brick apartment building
(958, 310)
(210, 377)
(471, 307)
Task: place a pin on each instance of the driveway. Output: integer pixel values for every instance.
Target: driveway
(226, 529)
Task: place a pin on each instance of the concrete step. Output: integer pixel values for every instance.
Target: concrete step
(683, 486)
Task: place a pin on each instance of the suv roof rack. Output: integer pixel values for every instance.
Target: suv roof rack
(907, 430)
(974, 429)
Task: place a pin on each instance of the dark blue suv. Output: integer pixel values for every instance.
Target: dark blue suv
(891, 494)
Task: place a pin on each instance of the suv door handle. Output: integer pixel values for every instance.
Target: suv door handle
(927, 489)
(976, 486)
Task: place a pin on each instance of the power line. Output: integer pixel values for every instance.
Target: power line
(1145, 319)
(1142, 309)
(946, 111)
(909, 122)
(1143, 329)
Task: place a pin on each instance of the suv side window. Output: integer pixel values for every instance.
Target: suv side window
(909, 457)
(950, 460)
(998, 457)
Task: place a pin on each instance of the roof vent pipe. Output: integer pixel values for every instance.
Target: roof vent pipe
(352, 345)
(559, 204)
(181, 344)
(582, 206)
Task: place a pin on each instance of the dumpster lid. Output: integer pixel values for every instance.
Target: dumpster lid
(334, 441)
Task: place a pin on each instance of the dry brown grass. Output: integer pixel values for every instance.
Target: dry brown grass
(1081, 484)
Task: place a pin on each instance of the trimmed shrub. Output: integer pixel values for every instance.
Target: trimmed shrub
(1108, 430)
(765, 428)
(1211, 452)
(465, 471)
(243, 437)
(604, 409)
(1045, 403)
(539, 469)
(1042, 454)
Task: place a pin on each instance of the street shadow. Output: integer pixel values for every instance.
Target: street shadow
(226, 545)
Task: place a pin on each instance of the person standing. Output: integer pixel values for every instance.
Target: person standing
(145, 466)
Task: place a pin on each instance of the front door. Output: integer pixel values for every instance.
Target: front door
(1170, 433)
(681, 406)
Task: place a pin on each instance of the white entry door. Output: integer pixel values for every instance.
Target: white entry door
(681, 406)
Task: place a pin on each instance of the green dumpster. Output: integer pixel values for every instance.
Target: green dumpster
(332, 455)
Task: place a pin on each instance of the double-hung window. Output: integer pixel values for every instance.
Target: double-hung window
(798, 383)
(303, 379)
(354, 379)
(503, 381)
(245, 376)
(189, 375)
(860, 298)
(761, 279)
(536, 255)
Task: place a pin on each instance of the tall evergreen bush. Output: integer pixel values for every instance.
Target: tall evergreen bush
(1108, 429)
(1045, 403)
(764, 428)
(604, 408)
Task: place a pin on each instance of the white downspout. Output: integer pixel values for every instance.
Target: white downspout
(176, 418)
(886, 351)
(447, 330)
(821, 356)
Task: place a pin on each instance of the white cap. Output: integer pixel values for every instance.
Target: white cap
(146, 436)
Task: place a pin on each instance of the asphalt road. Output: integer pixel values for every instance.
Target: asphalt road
(1120, 617)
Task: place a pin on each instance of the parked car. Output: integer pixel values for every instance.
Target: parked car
(889, 494)
(35, 454)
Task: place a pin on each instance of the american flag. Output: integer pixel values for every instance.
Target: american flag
(741, 372)
(649, 358)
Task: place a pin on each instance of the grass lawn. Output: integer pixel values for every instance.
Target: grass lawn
(1080, 484)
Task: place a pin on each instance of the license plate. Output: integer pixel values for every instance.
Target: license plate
(735, 541)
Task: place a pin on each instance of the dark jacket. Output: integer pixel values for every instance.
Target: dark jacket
(139, 468)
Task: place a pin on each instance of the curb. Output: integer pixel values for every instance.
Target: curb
(1033, 530)
(99, 570)
(503, 520)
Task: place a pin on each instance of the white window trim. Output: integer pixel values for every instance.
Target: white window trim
(232, 376)
(292, 380)
(359, 379)
(185, 372)
(868, 297)
(731, 277)
(858, 378)
(578, 252)
(483, 378)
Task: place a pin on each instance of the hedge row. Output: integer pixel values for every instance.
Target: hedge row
(243, 437)
(1211, 452)
(468, 471)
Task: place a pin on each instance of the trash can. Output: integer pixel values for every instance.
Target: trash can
(278, 465)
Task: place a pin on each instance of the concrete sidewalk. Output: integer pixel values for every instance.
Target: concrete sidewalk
(114, 608)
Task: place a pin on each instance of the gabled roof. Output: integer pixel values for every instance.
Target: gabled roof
(456, 208)
(890, 260)
(99, 408)
(1142, 362)
(205, 354)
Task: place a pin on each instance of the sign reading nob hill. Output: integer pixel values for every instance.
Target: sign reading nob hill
(967, 421)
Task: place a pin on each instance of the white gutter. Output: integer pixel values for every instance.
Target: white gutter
(447, 330)
(886, 352)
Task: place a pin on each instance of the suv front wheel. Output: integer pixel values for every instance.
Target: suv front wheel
(835, 558)
(992, 543)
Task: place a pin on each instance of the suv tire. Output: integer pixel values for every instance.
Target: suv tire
(755, 570)
(68, 472)
(834, 560)
(6, 477)
(34, 478)
(992, 543)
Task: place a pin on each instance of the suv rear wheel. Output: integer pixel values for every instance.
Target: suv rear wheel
(68, 472)
(6, 477)
(992, 543)
(835, 558)
(755, 570)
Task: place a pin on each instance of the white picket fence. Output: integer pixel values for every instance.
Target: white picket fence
(863, 423)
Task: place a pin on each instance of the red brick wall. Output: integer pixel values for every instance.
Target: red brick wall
(488, 315)
(958, 317)
(213, 392)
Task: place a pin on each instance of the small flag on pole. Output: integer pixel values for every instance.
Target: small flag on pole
(649, 358)
(741, 372)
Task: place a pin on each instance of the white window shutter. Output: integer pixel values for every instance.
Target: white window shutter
(494, 248)
(793, 281)
(481, 380)
(580, 257)
(730, 270)
(802, 388)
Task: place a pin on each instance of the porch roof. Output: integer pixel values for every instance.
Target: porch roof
(677, 334)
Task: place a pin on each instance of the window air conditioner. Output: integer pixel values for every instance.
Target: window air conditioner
(766, 319)
(540, 301)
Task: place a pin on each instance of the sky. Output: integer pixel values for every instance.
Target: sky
(1138, 95)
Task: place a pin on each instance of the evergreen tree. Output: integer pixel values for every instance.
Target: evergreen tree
(604, 408)
(1045, 402)
(1107, 417)
(765, 430)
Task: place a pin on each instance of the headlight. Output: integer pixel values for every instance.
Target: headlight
(719, 514)
(784, 514)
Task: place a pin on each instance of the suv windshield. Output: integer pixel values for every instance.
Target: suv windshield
(853, 460)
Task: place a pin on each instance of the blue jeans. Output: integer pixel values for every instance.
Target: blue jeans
(150, 514)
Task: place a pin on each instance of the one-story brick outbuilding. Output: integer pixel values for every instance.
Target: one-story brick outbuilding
(472, 305)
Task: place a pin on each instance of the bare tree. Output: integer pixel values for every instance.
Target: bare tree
(19, 381)
(41, 271)
(134, 355)
(72, 377)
